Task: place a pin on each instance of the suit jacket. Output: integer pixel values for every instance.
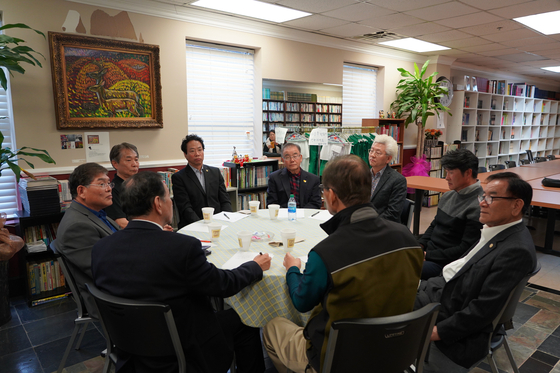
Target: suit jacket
(190, 198)
(389, 195)
(473, 298)
(77, 232)
(143, 262)
(279, 189)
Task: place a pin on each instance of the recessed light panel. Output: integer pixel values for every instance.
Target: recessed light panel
(414, 45)
(554, 69)
(545, 23)
(254, 9)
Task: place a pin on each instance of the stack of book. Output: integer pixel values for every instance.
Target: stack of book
(40, 196)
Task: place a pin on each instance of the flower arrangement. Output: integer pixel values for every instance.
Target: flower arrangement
(432, 134)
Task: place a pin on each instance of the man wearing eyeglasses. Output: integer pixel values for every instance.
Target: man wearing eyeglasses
(293, 180)
(84, 223)
(473, 289)
(388, 187)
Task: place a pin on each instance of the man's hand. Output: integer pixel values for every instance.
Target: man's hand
(9, 244)
(435, 335)
(263, 260)
(290, 261)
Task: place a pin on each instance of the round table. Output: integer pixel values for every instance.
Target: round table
(264, 300)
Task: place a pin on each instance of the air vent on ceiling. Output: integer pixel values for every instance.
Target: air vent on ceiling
(376, 37)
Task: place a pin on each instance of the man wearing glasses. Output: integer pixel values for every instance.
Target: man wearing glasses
(85, 223)
(388, 187)
(293, 180)
(472, 290)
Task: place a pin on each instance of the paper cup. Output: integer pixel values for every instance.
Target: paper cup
(273, 211)
(244, 238)
(254, 206)
(288, 239)
(207, 213)
(214, 229)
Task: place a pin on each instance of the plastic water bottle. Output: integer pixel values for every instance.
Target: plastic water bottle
(292, 216)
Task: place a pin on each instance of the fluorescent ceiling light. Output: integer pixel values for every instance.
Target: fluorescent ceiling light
(415, 45)
(254, 9)
(545, 23)
(554, 69)
(337, 85)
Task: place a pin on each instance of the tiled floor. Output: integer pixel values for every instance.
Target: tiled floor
(35, 339)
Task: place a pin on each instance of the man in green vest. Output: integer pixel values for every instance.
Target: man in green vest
(333, 284)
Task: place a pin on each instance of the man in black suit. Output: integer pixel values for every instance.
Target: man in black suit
(293, 180)
(388, 187)
(473, 289)
(198, 185)
(144, 262)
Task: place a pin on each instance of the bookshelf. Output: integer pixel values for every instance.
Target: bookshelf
(389, 126)
(251, 181)
(296, 113)
(433, 152)
(499, 128)
(39, 289)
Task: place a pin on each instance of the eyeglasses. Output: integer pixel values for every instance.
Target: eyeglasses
(377, 153)
(103, 185)
(291, 158)
(490, 199)
(322, 187)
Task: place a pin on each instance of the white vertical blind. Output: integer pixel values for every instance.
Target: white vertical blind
(220, 99)
(359, 85)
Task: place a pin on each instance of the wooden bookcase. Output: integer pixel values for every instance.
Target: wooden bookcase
(389, 126)
(251, 181)
(27, 259)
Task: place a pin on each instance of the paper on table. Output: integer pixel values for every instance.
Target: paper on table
(303, 259)
(229, 216)
(241, 257)
(198, 226)
(283, 214)
(322, 215)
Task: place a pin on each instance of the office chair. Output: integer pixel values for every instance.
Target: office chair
(407, 212)
(390, 344)
(137, 327)
(525, 161)
(510, 164)
(83, 319)
(541, 159)
(503, 322)
(494, 167)
(482, 170)
(551, 157)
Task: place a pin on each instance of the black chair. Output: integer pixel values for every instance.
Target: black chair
(83, 319)
(390, 344)
(407, 212)
(530, 155)
(137, 327)
(510, 164)
(541, 159)
(525, 161)
(551, 157)
(494, 167)
(504, 322)
(482, 170)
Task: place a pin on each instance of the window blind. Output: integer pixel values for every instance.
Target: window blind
(359, 85)
(220, 99)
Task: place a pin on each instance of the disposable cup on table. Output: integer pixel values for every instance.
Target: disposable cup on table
(244, 238)
(215, 230)
(254, 206)
(273, 211)
(207, 213)
(288, 239)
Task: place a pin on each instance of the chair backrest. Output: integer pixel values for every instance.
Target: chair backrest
(482, 170)
(551, 157)
(541, 159)
(530, 155)
(407, 212)
(525, 161)
(494, 167)
(139, 327)
(390, 344)
(510, 164)
(69, 280)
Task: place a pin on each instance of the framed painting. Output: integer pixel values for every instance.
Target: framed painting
(103, 83)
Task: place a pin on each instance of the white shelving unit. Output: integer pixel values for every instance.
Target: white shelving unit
(498, 128)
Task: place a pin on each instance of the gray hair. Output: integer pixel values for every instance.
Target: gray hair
(389, 142)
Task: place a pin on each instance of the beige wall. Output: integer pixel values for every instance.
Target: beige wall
(276, 58)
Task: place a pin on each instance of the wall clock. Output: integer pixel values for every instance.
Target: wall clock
(446, 99)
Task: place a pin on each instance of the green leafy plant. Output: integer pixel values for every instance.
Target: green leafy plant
(8, 157)
(418, 99)
(12, 54)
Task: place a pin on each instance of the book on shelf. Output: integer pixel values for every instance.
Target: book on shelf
(431, 200)
(482, 84)
(464, 134)
(490, 134)
(467, 101)
(477, 135)
(489, 149)
(465, 119)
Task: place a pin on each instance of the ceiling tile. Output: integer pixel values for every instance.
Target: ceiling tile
(443, 11)
(462, 43)
(539, 64)
(499, 52)
(492, 27)
(445, 36)
(527, 41)
(358, 12)
(421, 29)
(404, 5)
(492, 4)
(526, 9)
(315, 22)
(521, 57)
(391, 21)
(483, 48)
(553, 53)
(349, 30)
(315, 6)
(538, 48)
(469, 20)
(521, 33)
